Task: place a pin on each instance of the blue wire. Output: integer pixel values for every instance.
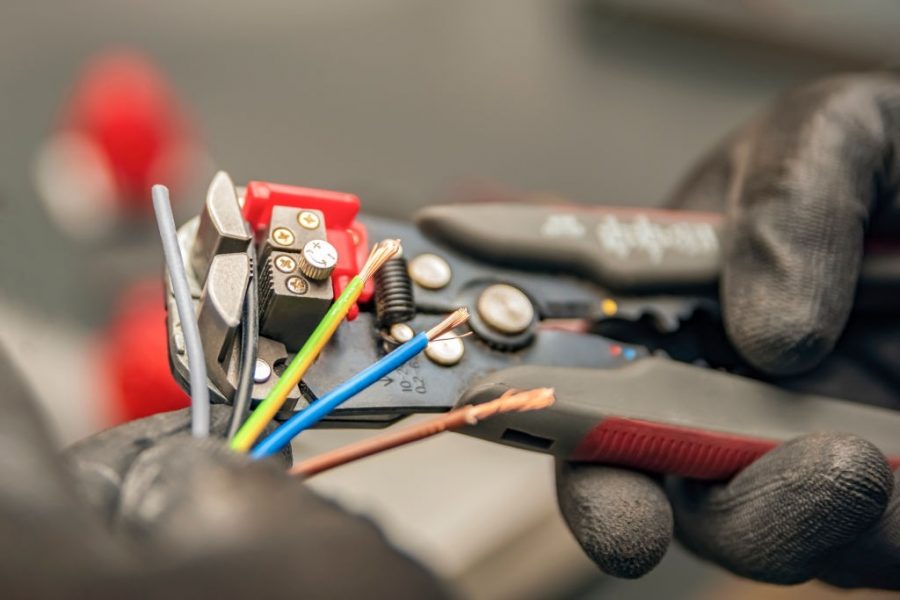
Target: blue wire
(319, 409)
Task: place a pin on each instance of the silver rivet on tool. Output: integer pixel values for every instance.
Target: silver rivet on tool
(297, 285)
(401, 332)
(430, 271)
(262, 371)
(505, 308)
(283, 236)
(318, 259)
(308, 219)
(445, 352)
(285, 264)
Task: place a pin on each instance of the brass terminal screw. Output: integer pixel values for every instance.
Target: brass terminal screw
(308, 219)
(283, 236)
(285, 264)
(297, 285)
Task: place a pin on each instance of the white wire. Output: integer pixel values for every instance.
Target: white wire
(185, 305)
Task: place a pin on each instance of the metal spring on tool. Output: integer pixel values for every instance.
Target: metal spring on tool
(394, 302)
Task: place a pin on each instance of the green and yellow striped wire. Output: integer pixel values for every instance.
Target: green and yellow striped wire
(250, 431)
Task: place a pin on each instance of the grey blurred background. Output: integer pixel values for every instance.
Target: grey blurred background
(408, 102)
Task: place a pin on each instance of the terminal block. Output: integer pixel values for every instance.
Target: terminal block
(292, 297)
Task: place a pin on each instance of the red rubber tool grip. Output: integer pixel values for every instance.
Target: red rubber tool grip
(661, 448)
(661, 416)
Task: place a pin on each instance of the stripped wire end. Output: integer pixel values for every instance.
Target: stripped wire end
(293, 374)
(453, 337)
(382, 252)
(453, 320)
(511, 401)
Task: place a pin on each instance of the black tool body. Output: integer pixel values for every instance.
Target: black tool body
(612, 303)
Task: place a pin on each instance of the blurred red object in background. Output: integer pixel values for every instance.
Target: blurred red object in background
(124, 105)
(120, 130)
(135, 357)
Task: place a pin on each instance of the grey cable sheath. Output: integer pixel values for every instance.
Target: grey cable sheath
(185, 305)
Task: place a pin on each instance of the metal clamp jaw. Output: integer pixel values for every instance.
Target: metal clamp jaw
(219, 255)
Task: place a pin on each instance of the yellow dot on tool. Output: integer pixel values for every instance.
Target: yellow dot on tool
(609, 307)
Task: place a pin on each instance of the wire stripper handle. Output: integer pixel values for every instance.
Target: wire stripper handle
(627, 250)
(661, 416)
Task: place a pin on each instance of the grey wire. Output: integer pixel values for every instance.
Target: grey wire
(185, 305)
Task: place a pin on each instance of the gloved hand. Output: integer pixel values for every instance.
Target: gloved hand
(146, 511)
(802, 187)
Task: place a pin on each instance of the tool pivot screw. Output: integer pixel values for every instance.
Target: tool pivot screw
(430, 271)
(505, 309)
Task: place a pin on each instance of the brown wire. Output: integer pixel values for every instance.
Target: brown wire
(511, 401)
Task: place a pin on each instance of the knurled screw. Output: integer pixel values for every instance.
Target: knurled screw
(285, 264)
(309, 220)
(297, 285)
(317, 260)
(283, 236)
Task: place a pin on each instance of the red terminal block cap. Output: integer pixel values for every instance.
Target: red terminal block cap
(346, 234)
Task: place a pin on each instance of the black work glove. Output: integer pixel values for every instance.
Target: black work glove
(802, 187)
(146, 511)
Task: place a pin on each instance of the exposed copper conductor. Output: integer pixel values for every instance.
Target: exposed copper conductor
(511, 401)
(454, 319)
(381, 252)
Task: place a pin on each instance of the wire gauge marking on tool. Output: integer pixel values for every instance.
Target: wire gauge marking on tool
(319, 409)
(269, 407)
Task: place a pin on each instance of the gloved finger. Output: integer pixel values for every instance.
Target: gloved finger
(799, 185)
(256, 530)
(873, 559)
(28, 454)
(787, 517)
(101, 462)
(39, 511)
(621, 518)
